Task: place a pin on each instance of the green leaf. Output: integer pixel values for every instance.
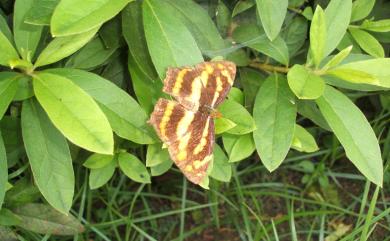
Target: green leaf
(318, 36)
(295, 34)
(147, 90)
(26, 36)
(3, 170)
(8, 218)
(41, 12)
(272, 14)
(156, 155)
(338, 58)
(127, 118)
(368, 43)
(309, 110)
(43, 219)
(7, 50)
(221, 169)
(21, 193)
(201, 26)
(75, 17)
(74, 112)
(49, 157)
(238, 147)
(374, 71)
(239, 115)
(133, 168)
(304, 83)
(237, 95)
(92, 55)
(353, 75)
(222, 125)
(223, 18)
(163, 28)
(4, 29)
(354, 132)
(337, 14)
(133, 31)
(99, 177)
(61, 47)
(96, 161)
(361, 9)
(242, 6)
(274, 113)
(252, 36)
(8, 88)
(250, 80)
(303, 141)
(161, 168)
(25, 88)
(377, 26)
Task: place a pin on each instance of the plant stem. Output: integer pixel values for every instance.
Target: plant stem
(269, 68)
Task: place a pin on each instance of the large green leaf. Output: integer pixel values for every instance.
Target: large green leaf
(4, 28)
(250, 80)
(7, 50)
(361, 9)
(8, 88)
(354, 132)
(74, 112)
(62, 47)
(3, 170)
(127, 118)
(41, 12)
(43, 219)
(49, 156)
(368, 42)
(338, 14)
(170, 43)
(318, 36)
(239, 115)
(272, 14)
(296, 34)
(133, 168)
(254, 37)
(274, 113)
(74, 16)
(92, 55)
(304, 83)
(26, 36)
(372, 71)
(133, 31)
(156, 155)
(377, 26)
(221, 168)
(147, 90)
(201, 26)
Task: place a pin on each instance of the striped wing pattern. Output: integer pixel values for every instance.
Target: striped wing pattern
(185, 126)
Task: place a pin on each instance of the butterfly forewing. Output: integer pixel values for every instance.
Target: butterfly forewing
(207, 84)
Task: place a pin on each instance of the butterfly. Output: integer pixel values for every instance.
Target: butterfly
(186, 125)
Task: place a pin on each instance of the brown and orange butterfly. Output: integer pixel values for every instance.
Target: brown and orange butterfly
(187, 126)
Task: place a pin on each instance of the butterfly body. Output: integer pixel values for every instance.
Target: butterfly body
(186, 126)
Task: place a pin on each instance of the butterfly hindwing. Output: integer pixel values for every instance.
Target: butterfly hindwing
(188, 135)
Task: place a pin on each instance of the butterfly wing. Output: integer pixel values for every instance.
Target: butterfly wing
(188, 135)
(207, 84)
